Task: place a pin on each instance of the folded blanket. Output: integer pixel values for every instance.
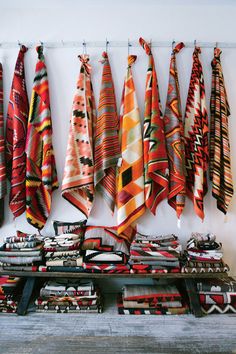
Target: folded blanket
(69, 308)
(20, 260)
(151, 293)
(64, 287)
(200, 267)
(17, 245)
(77, 262)
(20, 253)
(218, 298)
(61, 269)
(19, 239)
(92, 256)
(106, 268)
(224, 308)
(21, 268)
(226, 284)
(62, 254)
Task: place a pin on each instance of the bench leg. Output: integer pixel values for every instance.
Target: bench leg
(26, 295)
(193, 297)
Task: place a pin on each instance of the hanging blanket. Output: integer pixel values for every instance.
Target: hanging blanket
(155, 156)
(41, 174)
(174, 133)
(107, 148)
(16, 130)
(78, 184)
(196, 137)
(3, 182)
(130, 194)
(220, 167)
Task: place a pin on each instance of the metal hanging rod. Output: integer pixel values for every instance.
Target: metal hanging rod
(106, 43)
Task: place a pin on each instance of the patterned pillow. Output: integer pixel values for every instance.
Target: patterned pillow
(77, 227)
(102, 238)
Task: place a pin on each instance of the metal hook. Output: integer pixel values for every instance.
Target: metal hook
(195, 42)
(84, 47)
(41, 43)
(107, 42)
(216, 44)
(129, 45)
(19, 43)
(173, 44)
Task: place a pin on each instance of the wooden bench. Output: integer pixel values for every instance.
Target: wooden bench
(189, 280)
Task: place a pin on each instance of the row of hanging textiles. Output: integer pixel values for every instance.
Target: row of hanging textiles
(109, 154)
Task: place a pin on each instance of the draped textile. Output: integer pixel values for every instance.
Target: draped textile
(41, 174)
(78, 179)
(3, 182)
(174, 133)
(107, 149)
(155, 156)
(196, 137)
(130, 184)
(16, 130)
(220, 167)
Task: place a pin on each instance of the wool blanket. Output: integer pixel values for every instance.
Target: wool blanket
(41, 173)
(107, 147)
(78, 179)
(16, 132)
(3, 181)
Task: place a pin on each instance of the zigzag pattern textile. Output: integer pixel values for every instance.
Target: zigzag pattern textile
(16, 131)
(78, 180)
(107, 148)
(174, 133)
(220, 167)
(156, 169)
(196, 137)
(130, 184)
(3, 180)
(41, 174)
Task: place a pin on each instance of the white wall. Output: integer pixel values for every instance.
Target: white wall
(183, 20)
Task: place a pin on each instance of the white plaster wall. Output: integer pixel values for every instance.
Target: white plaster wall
(182, 20)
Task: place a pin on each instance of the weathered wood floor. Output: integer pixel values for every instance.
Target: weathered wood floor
(108, 333)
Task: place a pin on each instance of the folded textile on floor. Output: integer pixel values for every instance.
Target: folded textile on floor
(10, 290)
(23, 251)
(217, 295)
(151, 300)
(203, 254)
(64, 296)
(155, 254)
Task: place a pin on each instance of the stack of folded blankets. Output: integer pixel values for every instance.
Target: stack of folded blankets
(63, 296)
(22, 252)
(105, 251)
(62, 252)
(155, 254)
(10, 290)
(203, 255)
(151, 300)
(217, 295)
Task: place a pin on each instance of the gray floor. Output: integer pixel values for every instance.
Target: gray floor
(109, 332)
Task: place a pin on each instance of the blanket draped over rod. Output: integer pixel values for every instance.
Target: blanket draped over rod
(174, 132)
(107, 149)
(78, 179)
(130, 194)
(196, 137)
(155, 155)
(16, 131)
(220, 167)
(3, 182)
(41, 174)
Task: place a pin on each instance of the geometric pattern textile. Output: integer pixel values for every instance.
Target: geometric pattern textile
(156, 169)
(78, 179)
(41, 174)
(196, 137)
(107, 148)
(174, 133)
(130, 183)
(220, 168)
(16, 131)
(3, 181)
